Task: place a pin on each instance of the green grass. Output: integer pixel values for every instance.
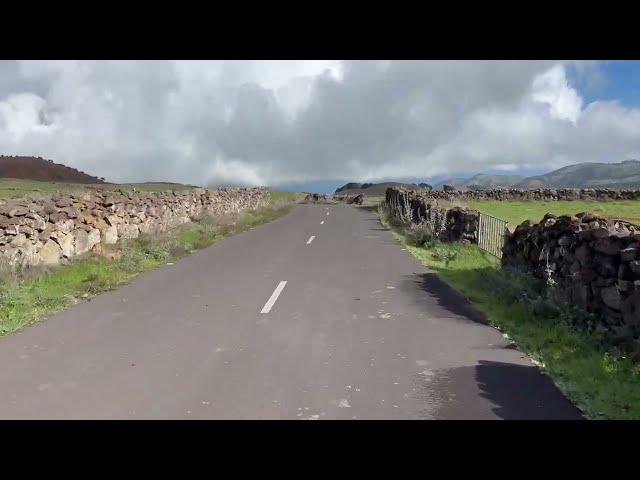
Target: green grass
(277, 195)
(27, 300)
(17, 188)
(589, 368)
(517, 212)
(151, 187)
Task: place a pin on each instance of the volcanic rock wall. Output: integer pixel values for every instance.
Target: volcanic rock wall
(546, 194)
(453, 224)
(594, 262)
(52, 231)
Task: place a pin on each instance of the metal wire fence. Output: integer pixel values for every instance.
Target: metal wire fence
(491, 232)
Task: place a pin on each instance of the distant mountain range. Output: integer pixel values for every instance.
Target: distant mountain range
(582, 175)
(37, 168)
(590, 175)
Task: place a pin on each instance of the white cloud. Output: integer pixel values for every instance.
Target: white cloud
(22, 114)
(276, 122)
(552, 89)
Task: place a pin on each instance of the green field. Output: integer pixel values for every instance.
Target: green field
(151, 187)
(277, 196)
(517, 212)
(16, 188)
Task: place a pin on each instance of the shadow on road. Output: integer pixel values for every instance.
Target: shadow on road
(515, 392)
(418, 284)
(522, 392)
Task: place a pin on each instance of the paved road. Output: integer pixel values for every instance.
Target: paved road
(359, 330)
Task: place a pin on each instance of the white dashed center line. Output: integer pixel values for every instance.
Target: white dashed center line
(310, 239)
(327, 213)
(322, 222)
(274, 296)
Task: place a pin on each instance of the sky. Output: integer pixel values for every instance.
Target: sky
(317, 123)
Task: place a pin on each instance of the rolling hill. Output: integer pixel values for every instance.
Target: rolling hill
(37, 168)
(622, 175)
(589, 175)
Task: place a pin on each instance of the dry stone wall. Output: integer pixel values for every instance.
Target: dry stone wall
(594, 262)
(453, 224)
(546, 194)
(52, 231)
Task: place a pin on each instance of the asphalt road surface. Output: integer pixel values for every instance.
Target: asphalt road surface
(320, 314)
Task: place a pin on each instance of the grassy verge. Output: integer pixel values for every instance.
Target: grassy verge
(26, 300)
(18, 188)
(590, 368)
(518, 212)
(280, 196)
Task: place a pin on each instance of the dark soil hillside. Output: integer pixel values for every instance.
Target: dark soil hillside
(37, 168)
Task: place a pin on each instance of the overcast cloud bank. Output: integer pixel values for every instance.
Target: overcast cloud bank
(281, 122)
